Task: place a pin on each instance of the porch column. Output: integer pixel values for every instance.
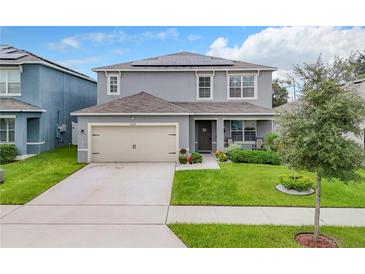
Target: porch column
(220, 134)
(192, 134)
(21, 134)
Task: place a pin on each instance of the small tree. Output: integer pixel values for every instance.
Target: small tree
(312, 134)
(279, 94)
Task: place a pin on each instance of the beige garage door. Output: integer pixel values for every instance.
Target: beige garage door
(133, 143)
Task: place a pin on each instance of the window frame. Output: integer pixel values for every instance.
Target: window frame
(7, 94)
(8, 130)
(243, 131)
(255, 82)
(118, 84)
(211, 76)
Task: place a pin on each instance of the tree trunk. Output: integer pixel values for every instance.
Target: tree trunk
(318, 208)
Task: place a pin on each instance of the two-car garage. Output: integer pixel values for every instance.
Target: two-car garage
(133, 142)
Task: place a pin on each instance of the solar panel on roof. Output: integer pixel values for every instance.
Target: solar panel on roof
(12, 56)
(184, 60)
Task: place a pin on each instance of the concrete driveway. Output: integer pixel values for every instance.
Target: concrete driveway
(101, 205)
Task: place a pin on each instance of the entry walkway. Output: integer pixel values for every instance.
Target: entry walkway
(209, 162)
(265, 215)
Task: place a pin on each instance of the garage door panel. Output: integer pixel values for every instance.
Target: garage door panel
(133, 143)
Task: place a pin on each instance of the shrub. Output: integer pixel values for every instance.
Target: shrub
(7, 153)
(222, 157)
(255, 157)
(183, 159)
(218, 153)
(196, 157)
(271, 141)
(296, 182)
(183, 151)
(231, 148)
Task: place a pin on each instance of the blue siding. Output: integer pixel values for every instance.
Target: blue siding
(59, 94)
(62, 94)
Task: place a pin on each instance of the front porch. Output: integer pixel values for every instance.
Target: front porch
(211, 134)
(24, 131)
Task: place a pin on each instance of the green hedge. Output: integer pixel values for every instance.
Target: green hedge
(296, 182)
(196, 157)
(255, 157)
(7, 153)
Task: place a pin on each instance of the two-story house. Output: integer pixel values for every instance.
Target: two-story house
(147, 109)
(36, 99)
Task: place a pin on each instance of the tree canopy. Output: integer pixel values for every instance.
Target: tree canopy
(279, 95)
(313, 132)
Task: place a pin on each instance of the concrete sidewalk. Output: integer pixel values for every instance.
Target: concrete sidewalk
(265, 215)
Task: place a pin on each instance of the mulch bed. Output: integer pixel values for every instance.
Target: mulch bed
(307, 239)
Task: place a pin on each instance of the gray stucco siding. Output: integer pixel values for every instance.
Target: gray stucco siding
(83, 121)
(181, 86)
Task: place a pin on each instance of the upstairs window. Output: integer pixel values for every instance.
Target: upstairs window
(204, 87)
(10, 82)
(113, 85)
(242, 87)
(7, 130)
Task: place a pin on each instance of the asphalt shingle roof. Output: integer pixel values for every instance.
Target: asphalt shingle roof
(142, 102)
(185, 60)
(10, 55)
(223, 107)
(146, 103)
(10, 104)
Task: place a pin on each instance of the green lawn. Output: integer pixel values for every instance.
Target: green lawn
(253, 185)
(26, 179)
(220, 235)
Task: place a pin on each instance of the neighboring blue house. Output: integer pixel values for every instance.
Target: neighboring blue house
(36, 99)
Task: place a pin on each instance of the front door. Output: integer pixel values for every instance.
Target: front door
(204, 135)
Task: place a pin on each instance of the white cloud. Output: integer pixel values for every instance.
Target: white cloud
(193, 37)
(68, 42)
(283, 47)
(80, 61)
(76, 41)
(120, 51)
(170, 33)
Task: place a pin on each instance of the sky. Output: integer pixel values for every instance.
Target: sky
(84, 48)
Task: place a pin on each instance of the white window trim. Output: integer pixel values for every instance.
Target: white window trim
(7, 94)
(242, 98)
(118, 84)
(8, 131)
(243, 131)
(211, 85)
